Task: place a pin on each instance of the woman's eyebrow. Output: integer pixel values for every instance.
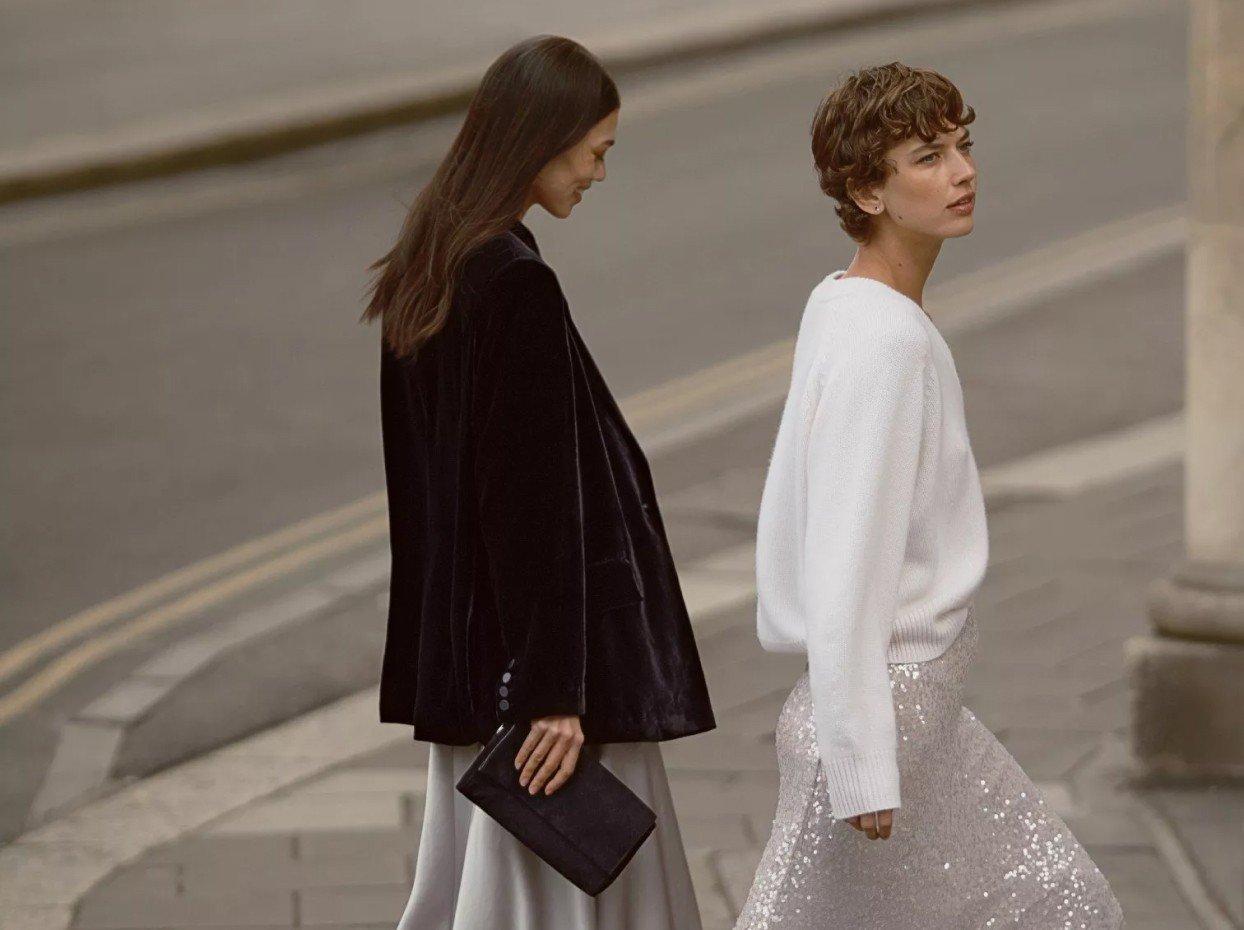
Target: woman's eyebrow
(937, 145)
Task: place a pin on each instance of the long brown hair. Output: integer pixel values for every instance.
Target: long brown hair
(535, 101)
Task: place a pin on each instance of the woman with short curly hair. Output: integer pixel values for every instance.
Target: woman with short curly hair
(871, 544)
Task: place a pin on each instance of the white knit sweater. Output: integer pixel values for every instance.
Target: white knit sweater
(871, 539)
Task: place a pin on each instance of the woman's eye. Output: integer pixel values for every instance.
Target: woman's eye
(927, 157)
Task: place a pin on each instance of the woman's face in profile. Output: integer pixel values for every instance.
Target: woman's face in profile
(927, 178)
(560, 184)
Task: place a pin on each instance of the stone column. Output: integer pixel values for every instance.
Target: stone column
(1187, 677)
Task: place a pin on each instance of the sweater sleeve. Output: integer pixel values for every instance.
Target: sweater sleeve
(530, 499)
(862, 457)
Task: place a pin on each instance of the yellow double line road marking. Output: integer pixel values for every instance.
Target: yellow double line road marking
(684, 398)
(348, 528)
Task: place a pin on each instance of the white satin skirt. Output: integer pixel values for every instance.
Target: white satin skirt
(472, 874)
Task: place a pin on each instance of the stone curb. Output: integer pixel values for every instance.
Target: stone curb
(285, 123)
(89, 742)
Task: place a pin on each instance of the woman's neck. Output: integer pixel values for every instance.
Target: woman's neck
(904, 266)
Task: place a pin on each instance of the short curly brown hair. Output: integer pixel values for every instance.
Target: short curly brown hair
(870, 111)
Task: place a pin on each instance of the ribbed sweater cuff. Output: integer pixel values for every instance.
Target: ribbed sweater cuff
(859, 784)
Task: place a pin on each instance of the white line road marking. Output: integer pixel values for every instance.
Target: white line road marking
(1079, 466)
(1012, 286)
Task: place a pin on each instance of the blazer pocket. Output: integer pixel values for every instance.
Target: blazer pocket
(612, 582)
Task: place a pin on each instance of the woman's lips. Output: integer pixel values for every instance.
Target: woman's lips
(966, 207)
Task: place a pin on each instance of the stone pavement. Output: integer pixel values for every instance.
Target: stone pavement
(101, 92)
(316, 822)
(1064, 591)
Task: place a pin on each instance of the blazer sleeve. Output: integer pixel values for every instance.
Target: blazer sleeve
(528, 488)
(863, 453)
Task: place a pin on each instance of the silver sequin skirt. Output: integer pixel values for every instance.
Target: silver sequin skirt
(974, 844)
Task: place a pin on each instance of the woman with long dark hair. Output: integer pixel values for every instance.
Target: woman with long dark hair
(897, 807)
(532, 579)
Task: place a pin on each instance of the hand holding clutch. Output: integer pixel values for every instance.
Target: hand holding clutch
(588, 830)
(550, 750)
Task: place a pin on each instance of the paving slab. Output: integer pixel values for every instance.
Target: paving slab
(719, 751)
(241, 907)
(353, 904)
(146, 881)
(253, 851)
(298, 812)
(358, 842)
(359, 866)
(737, 868)
(715, 910)
(1140, 878)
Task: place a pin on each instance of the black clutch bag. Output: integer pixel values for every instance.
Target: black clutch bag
(588, 829)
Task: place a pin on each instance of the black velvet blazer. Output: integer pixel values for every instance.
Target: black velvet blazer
(524, 529)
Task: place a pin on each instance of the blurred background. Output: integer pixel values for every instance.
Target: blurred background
(195, 552)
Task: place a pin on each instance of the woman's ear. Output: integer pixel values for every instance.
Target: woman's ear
(865, 200)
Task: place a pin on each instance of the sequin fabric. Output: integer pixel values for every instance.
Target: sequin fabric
(974, 844)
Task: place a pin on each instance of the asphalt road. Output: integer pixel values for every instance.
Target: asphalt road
(183, 368)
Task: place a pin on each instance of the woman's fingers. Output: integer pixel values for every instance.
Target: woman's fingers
(533, 738)
(550, 763)
(566, 769)
(553, 761)
(875, 825)
(545, 739)
(528, 744)
(885, 822)
(550, 751)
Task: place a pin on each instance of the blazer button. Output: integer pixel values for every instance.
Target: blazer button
(504, 705)
(506, 677)
(503, 691)
(511, 663)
